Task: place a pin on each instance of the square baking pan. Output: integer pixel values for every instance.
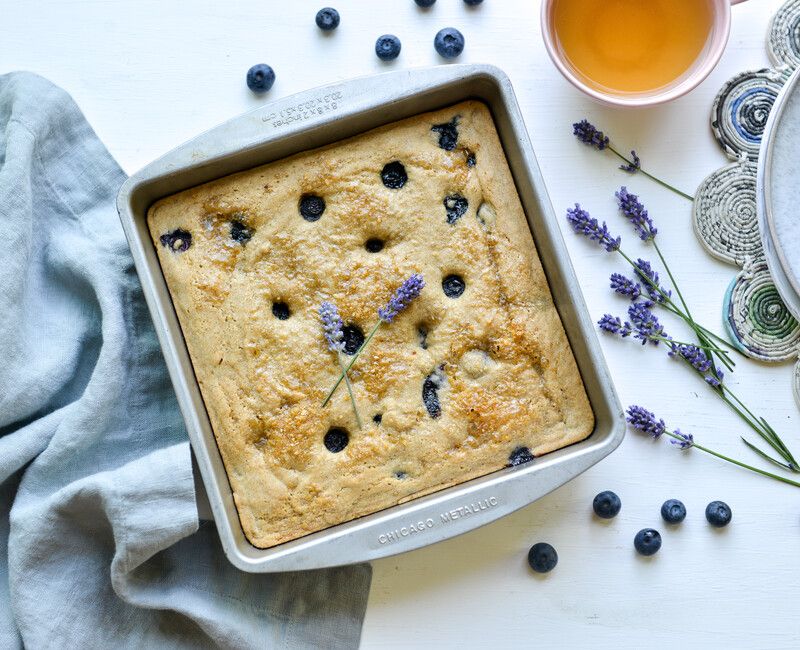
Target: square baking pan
(312, 119)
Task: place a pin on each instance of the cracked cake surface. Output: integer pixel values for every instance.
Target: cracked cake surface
(475, 375)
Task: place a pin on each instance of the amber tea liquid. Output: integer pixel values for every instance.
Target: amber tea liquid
(632, 46)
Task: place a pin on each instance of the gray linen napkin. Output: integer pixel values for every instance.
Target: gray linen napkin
(100, 543)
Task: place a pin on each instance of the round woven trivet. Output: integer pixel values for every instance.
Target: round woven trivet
(740, 111)
(783, 37)
(756, 318)
(724, 214)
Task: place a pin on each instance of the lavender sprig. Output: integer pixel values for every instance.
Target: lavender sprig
(583, 224)
(333, 330)
(635, 212)
(645, 421)
(632, 167)
(657, 292)
(624, 286)
(403, 296)
(593, 137)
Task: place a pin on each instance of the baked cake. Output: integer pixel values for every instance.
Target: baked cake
(476, 374)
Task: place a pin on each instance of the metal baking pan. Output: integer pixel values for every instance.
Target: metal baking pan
(312, 119)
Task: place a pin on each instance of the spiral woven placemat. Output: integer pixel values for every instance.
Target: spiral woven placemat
(756, 317)
(783, 38)
(741, 109)
(724, 214)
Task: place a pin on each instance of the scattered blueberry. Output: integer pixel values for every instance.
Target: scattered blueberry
(336, 439)
(520, 456)
(353, 339)
(718, 514)
(673, 511)
(449, 42)
(387, 47)
(280, 310)
(327, 19)
(542, 557)
(453, 286)
(448, 134)
(422, 333)
(394, 175)
(260, 78)
(377, 418)
(178, 240)
(425, 3)
(311, 207)
(374, 245)
(430, 394)
(456, 206)
(241, 233)
(607, 505)
(471, 161)
(473, 3)
(647, 541)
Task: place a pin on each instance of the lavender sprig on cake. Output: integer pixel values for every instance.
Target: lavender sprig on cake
(645, 421)
(333, 330)
(403, 296)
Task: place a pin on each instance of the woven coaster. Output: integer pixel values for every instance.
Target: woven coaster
(756, 318)
(796, 381)
(740, 111)
(783, 38)
(724, 214)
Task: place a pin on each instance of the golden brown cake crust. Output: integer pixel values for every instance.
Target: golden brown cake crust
(508, 376)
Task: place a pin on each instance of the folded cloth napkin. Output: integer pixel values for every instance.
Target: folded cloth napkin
(100, 543)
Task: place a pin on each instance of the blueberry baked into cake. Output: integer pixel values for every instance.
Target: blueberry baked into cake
(473, 375)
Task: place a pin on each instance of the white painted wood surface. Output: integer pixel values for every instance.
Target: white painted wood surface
(152, 73)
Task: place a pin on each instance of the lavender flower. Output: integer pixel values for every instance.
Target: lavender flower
(625, 286)
(404, 295)
(583, 224)
(332, 326)
(645, 421)
(634, 166)
(715, 378)
(645, 324)
(588, 134)
(613, 325)
(694, 355)
(635, 212)
(651, 282)
(682, 440)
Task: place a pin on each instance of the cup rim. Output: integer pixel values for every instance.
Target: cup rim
(696, 77)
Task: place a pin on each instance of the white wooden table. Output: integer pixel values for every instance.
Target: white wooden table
(152, 73)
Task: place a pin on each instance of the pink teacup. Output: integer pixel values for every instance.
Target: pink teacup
(699, 70)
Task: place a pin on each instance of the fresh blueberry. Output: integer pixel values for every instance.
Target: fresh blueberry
(260, 78)
(311, 207)
(327, 19)
(542, 557)
(453, 286)
(673, 511)
(449, 42)
(280, 310)
(520, 456)
(240, 232)
(353, 338)
(336, 439)
(448, 134)
(647, 541)
(455, 207)
(374, 245)
(178, 241)
(425, 3)
(430, 394)
(387, 47)
(718, 514)
(377, 418)
(607, 505)
(394, 175)
(472, 3)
